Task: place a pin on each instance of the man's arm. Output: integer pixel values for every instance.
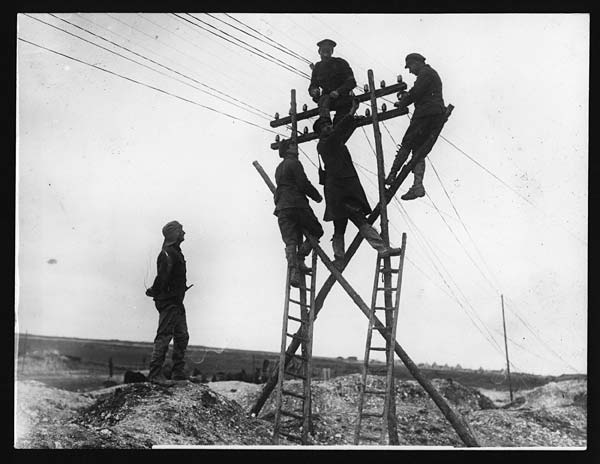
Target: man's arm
(345, 128)
(304, 185)
(421, 87)
(313, 88)
(164, 265)
(349, 82)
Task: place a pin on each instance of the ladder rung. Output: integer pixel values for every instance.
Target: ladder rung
(392, 289)
(298, 376)
(382, 308)
(298, 303)
(291, 414)
(370, 414)
(377, 348)
(393, 271)
(291, 393)
(377, 369)
(297, 356)
(370, 437)
(295, 319)
(296, 336)
(376, 392)
(290, 435)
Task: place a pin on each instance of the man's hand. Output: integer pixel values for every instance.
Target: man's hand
(149, 292)
(314, 93)
(354, 106)
(334, 94)
(319, 199)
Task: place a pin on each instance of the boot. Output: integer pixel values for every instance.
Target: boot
(417, 190)
(337, 243)
(303, 251)
(292, 260)
(399, 160)
(372, 236)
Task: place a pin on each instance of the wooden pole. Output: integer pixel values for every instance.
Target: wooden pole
(457, 422)
(387, 276)
(506, 350)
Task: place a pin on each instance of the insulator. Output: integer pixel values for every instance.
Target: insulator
(366, 88)
(399, 78)
(277, 138)
(367, 112)
(382, 84)
(383, 107)
(304, 107)
(276, 115)
(306, 130)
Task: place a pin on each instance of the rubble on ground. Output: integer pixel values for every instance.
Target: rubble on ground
(141, 415)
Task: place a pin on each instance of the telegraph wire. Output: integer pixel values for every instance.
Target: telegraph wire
(134, 61)
(284, 50)
(264, 55)
(146, 85)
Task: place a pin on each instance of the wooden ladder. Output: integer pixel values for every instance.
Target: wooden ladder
(299, 415)
(390, 332)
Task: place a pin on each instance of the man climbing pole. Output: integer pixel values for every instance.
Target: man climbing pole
(428, 117)
(293, 211)
(331, 82)
(168, 291)
(344, 195)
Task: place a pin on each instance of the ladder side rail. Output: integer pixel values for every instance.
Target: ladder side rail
(307, 425)
(363, 382)
(281, 370)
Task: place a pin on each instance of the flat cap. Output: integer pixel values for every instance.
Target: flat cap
(326, 43)
(414, 57)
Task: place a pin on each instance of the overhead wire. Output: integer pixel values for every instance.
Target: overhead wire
(145, 85)
(137, 62)
(247, 47)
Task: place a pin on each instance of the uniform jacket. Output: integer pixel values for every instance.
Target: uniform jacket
(293, 186)
(336, 157)
(170, 282)
(332, 74)
(426, 94)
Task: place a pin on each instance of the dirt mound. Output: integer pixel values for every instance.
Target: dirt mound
(141, 415)
(558, 394)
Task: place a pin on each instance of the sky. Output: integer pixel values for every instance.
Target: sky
(164, 121)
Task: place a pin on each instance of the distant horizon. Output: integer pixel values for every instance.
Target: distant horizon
(276, 353)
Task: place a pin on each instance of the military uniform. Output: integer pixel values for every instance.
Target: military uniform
(427, 119)
(328, 75)
(345, 198)
(168, 292)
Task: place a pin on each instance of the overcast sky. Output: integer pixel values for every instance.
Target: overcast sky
(105, 159)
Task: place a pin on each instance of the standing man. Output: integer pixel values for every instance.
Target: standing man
(168, 291)
(427, 119)
(331, 82)
(293, 211)
(344, 195)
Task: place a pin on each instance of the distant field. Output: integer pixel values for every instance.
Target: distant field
(228, 362)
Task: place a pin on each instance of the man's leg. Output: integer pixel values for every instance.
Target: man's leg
(337, 241)
(180, 342)
(417, 190)
(163, 337)
(342, 106)
(372, 237)
(311, 224)
(323, 105)
(287, 220)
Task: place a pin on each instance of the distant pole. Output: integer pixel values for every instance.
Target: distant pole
(506, 349)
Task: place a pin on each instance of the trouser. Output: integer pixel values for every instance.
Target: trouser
(341, 105)
(291, 223)
(171, 325)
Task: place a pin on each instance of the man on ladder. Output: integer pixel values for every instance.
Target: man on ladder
(293, 211)
(428, 117)
(344, 195)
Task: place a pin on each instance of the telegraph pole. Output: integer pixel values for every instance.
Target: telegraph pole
(506, 349)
